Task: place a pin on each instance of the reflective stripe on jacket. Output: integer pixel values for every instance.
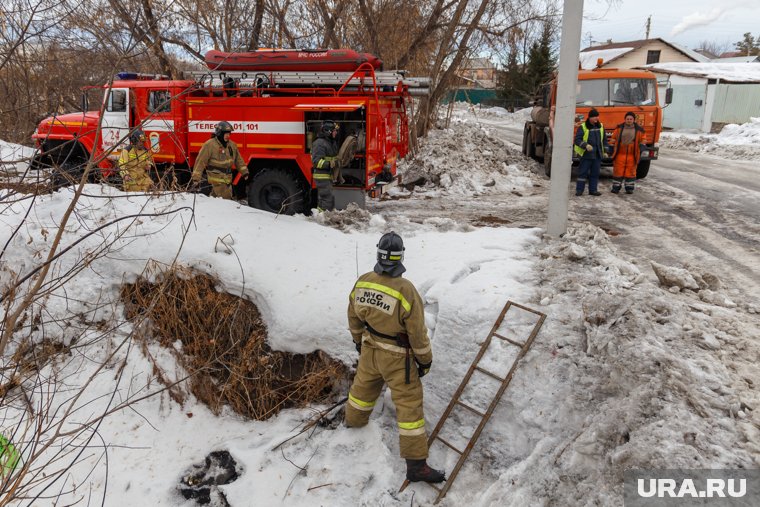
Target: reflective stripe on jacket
(582, 139)
(323, 151)
(214, 157)
(390, 305)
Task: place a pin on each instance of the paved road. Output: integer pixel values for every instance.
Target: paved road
(705, 208)
(692, 208)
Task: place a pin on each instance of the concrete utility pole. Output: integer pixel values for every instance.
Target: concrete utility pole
(649, 25)
(564, 116)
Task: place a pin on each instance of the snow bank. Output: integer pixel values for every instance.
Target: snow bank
(466, 160)
(746, 133)
(736, 142)
(15, 158)
(631, 375)
(299, 274)
(467, 113)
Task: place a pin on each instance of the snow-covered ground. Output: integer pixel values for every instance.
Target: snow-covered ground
(638, 365)
(736, 142)
(14, 158)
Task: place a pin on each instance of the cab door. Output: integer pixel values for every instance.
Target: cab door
(159, 124)
(115, 124)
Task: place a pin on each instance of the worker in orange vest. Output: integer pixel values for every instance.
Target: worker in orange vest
(627, 140)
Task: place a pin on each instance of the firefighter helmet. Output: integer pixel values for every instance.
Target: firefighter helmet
(137, 137)
(390, 255)
(223, 127)
(328, 126)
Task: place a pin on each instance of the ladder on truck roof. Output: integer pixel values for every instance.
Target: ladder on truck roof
(275, 79)
(483, 416)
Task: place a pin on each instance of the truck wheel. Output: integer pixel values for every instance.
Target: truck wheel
(69, 173)
(548, 157)
(276, 191)
(643, 169)
(531, 148)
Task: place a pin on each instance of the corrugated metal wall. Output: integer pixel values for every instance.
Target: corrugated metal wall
(736, 103)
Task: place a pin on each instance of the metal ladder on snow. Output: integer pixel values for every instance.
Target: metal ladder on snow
(455, 400)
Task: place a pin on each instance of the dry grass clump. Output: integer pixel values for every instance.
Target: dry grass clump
(27, 187)
(224, 347)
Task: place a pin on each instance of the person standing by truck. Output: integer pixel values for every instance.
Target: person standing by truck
(135, 162)
(323, 158)
(217, 157)
(591, 146)
(626, 141)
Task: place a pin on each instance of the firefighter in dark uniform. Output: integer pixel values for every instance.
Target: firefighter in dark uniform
(217, 157)
(135, 162)
(387, 322)
(324, 153)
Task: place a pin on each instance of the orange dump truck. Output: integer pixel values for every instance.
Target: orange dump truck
(612, 92)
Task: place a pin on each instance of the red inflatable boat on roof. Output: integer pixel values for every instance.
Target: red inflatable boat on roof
(268, 60)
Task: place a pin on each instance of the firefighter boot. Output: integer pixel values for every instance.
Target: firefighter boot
(417, 470)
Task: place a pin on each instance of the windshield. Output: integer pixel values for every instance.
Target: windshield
(615, 92)
(639, 92)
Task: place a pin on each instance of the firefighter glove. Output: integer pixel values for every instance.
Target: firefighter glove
(358, 347)
(589, 147)
(335, 164)
(423, 369)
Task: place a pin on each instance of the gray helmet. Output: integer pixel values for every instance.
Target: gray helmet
(137, 137)
(223, 127)
(390, 255)
(328, 126)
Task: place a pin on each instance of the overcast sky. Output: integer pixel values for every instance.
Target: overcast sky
(687, 22)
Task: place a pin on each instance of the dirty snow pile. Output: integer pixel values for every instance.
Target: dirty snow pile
(14, 158)
(356, 218)
(466, 159)
(631, 372)
(466, 112)
(736, 142)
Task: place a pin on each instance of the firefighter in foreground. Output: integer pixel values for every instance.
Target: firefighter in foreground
(387, 322)
(324, 153)
(217, 157)
(135, 162)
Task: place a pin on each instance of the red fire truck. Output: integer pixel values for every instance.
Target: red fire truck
(276, 116)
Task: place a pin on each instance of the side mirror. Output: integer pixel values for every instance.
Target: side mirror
(85, 104)
(668, 95)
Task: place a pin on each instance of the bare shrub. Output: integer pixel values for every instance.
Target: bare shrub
(223, 346)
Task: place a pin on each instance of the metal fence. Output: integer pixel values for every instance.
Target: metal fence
(736, 103)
